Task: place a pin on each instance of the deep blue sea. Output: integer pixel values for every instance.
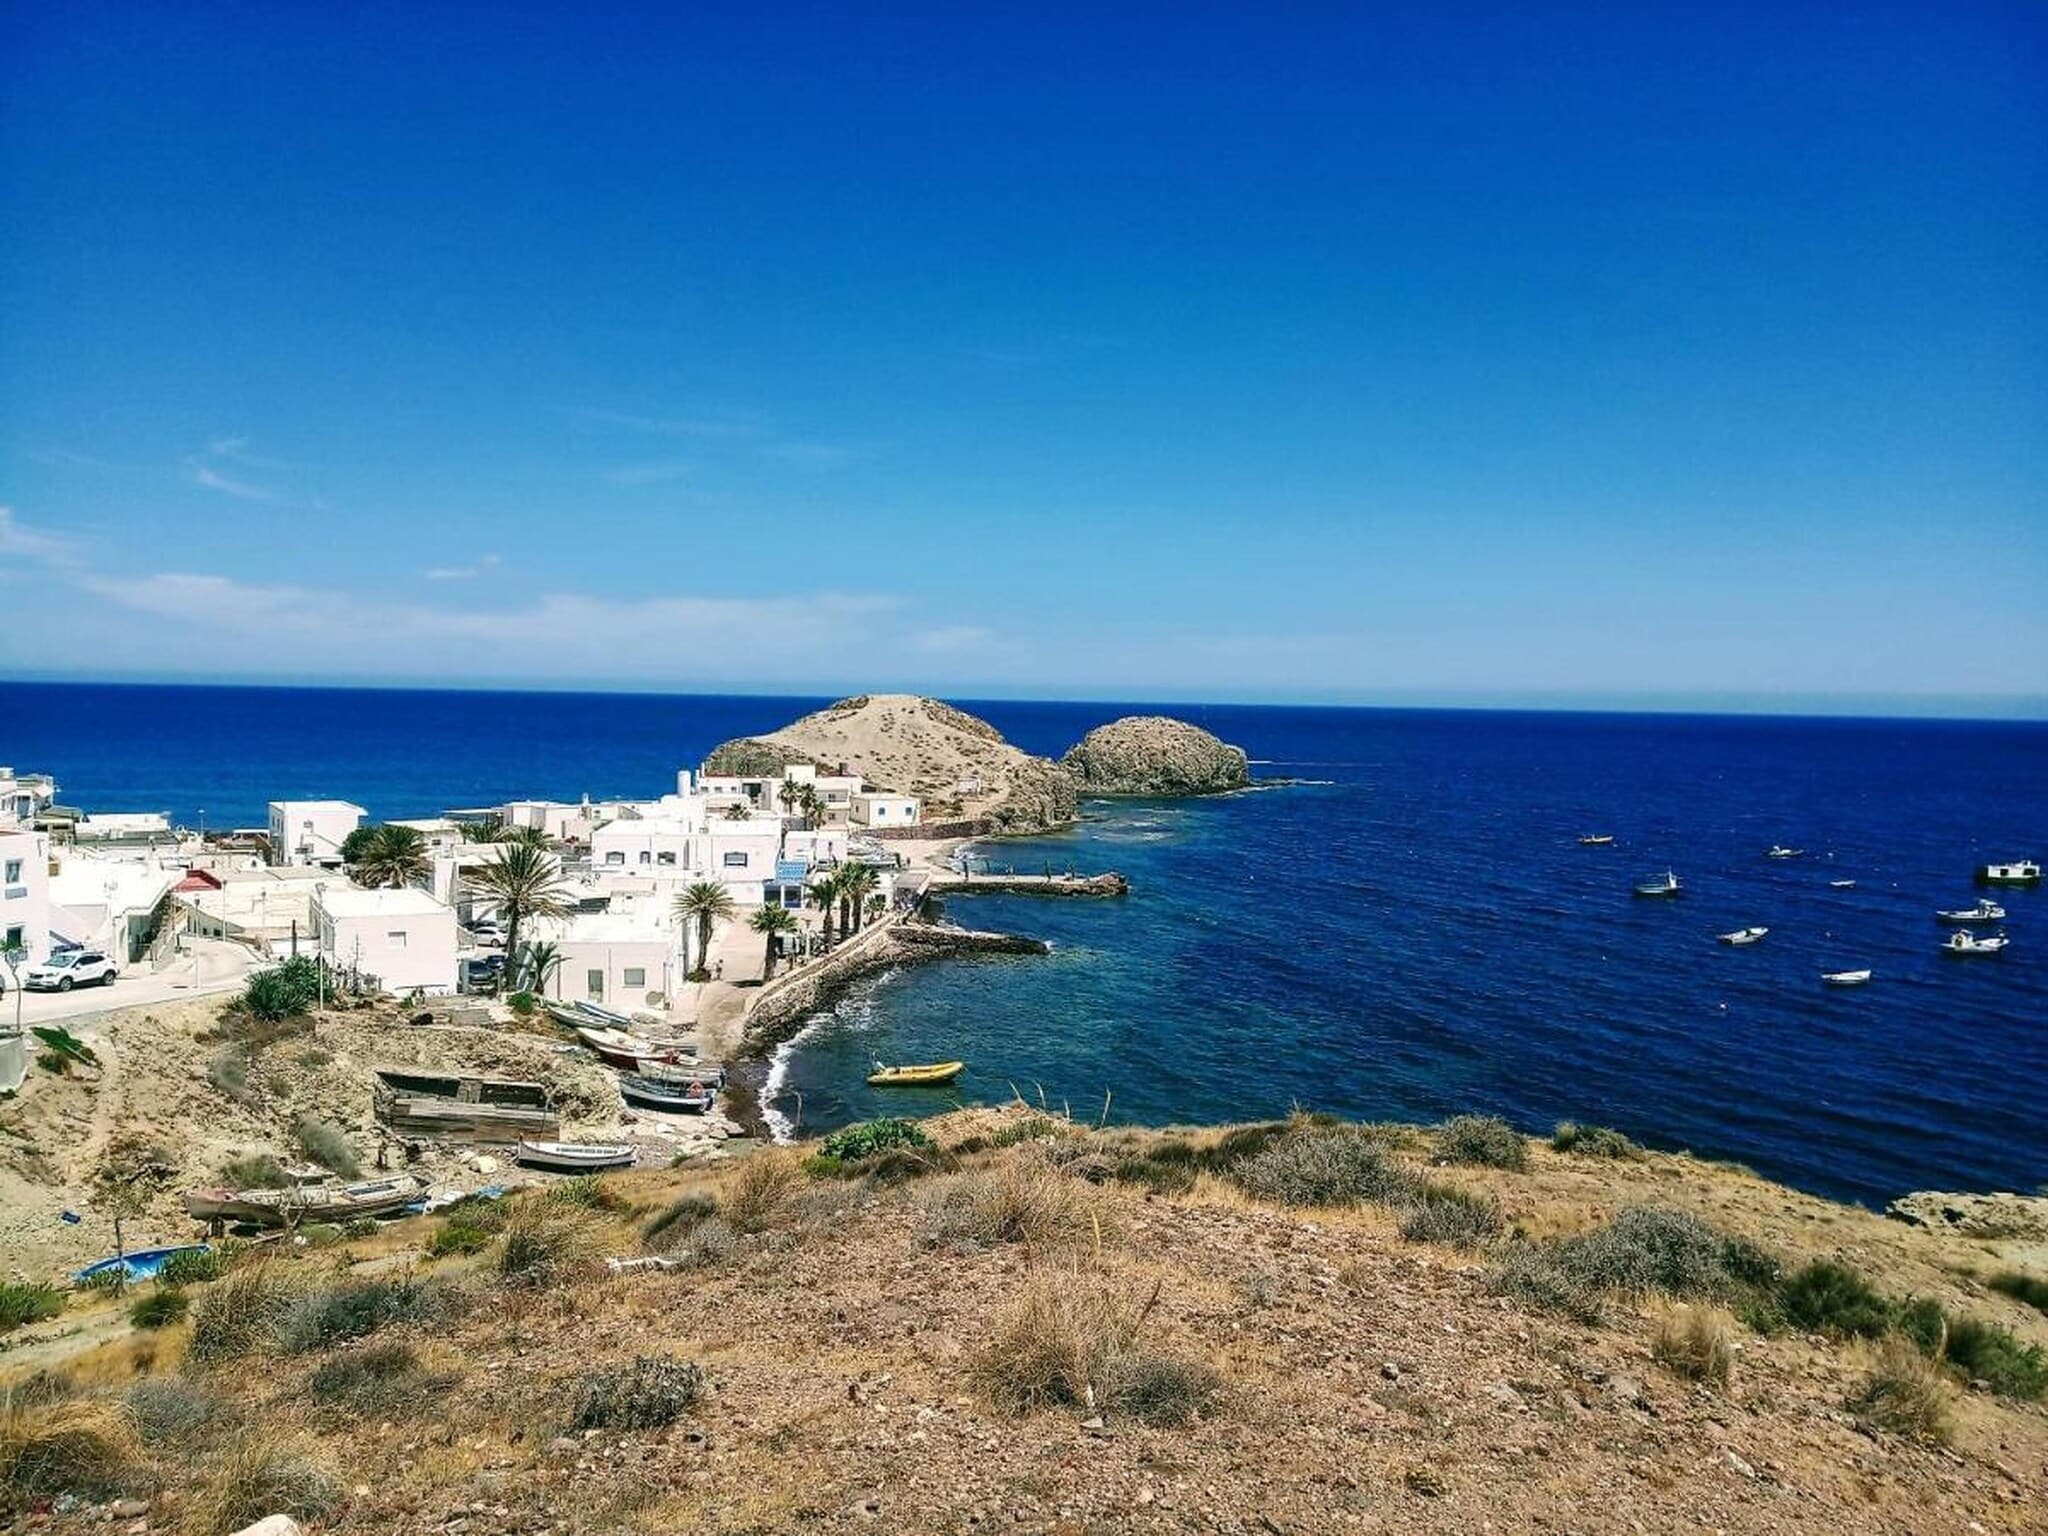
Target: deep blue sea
(1411, 932)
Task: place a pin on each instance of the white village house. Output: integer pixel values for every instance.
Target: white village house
(311, 831)
(25, 895)
(405, 939)
(878, 808)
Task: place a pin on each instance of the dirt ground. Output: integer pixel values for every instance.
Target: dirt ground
(1364, 1383)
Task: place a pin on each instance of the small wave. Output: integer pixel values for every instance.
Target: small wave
(855, 1013)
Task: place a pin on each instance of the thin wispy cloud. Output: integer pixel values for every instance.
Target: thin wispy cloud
(947, 638)
(731, 425)
(462, 572)
(19, 541)
(67, 457)
(217, 470)
(818, 455)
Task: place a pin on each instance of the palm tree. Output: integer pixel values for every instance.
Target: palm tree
(529, 837)
(392, 856)
(823, 893)
(485, 831)
(540, 962)
(788, 796)
(771, 922)
(523, 881)
(737, 811)
(704, 902)
(812, 807)
(856, 884)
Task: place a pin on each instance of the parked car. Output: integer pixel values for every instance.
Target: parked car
(488, 934)
(72, 968)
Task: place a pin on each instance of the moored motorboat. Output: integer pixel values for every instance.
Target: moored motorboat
(928, 1075)
(1844, 978)
(1780, 851)
(1665, 884)
(1964, 942)
(326, 1202)
(1743, 935)
(1596, 840)
(1842, 885)
(2013, 872)
(1986, 911)
(575, 1156)
(675, 1098)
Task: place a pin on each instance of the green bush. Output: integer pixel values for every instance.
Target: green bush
(2031, 1289)
(1594, 1141)
(456, 1237)
(870, 1137)
(159, 1309)
(1327, 1165)
(1481, 1140)
(1651, 1248)
(1452, 1217)
(1992, 1353)
(191, 1266)
(523, 1003)
(357, 1308)
(360, 1228)
(254, 1170)
(326, 1145)
(284, 991)
(376, 1380)
(585, 1190)
(651, 1393)
(27, 1301)
(1833, 1299)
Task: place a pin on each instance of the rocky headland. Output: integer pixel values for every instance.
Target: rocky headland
(1155, 755)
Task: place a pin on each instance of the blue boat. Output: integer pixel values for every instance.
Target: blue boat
(144, 1264)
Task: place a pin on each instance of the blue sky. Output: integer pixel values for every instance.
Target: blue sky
(1587, 353)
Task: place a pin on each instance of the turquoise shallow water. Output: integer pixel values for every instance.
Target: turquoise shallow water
(1415, 934)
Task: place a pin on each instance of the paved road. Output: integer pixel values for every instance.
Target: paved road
(221, 967)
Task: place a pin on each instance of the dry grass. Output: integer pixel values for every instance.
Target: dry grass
(548, 1245)
(1905, 1393)
(759, 1190)
(262, 1473)
(1072, 1341)
(1697, 1343)
(1020, 1200)
(240, 1314)
(78, 1445)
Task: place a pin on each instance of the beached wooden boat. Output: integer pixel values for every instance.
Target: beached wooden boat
(330, 1202)
(675, 1067)
(615, 1047)
(1743, 935)
(1665, 884)
(452, 1104)
(670, 1098)
(1844, 978)
(575, 1156)
(914, 1077)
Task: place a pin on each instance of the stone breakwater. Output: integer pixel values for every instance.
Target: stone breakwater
(1108, 884)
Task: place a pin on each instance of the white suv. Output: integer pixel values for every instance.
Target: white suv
(72, 968)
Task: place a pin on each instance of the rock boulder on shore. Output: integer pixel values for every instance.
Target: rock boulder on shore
(1155, 755)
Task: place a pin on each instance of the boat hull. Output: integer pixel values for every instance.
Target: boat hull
(665, 1098)
(381, 1197)
(932, 1076)
(573, 1157)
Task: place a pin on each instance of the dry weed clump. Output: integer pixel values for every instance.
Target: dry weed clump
(1327, 1165)
(547, 1245)
(1453, 1218)
(84, 1446)
(1904, 1393)
(759, 1190)
(240, 1315)
(1696, 1342)
(1020, 1200)
(320, 1319)
(173, 1413)
(1071, 1342)
(673, 1225)
(262, 1473)
(1484, 1141)
(651, 1393)
(376, 1380)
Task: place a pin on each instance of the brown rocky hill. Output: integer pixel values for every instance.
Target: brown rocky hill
(919, 746)
(1035, 1326)
(1155, 755)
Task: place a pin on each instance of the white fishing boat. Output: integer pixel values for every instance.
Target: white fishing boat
(325, 1201)
(1964, 942)
(1665, 884)
(1743, 936)
(1841, 885)
(575, 1156)
(2014, 872)
(1844, 978)
(1780, 851)
(1596, 840)
(1986, 911)
(672, 1098)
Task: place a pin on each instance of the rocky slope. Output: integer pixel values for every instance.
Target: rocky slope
(1155, 755)
(917, 746)
(1037, 1327)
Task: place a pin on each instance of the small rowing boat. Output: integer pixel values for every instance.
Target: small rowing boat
(1780, 851)
(1845, 978)
(326, 1202)
(1743, 935)
(1596, 840)
(575, 1156)
(669, 1098)
(915, 1077)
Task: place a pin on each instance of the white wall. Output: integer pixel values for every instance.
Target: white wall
(873, 810)
(641, 847)
(320, 826)
(403, 950)
(617, 962)
(25, 892)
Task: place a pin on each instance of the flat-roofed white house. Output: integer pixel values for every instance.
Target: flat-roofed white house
(874, 808)
(406, 939)
(24, 796)
(441, 833)
(312, 831)
(812, 846)
(742, 855)
(643, 845)
(25, 895)
(109, 904)
(622, 960)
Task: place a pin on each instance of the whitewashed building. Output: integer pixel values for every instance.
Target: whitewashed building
(24, 796)
(25, 894)
(622, 960)
(877, 809)
(406, 939)
(312, 831)
(642, 845)
(109, 904)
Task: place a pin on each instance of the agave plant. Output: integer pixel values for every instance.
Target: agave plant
(538, 963)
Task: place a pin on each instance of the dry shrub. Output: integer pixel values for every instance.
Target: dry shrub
(1452, 1217)
(1905, 1393)
(1068, 1341)
(759, 1189)
(1327, 1165)
(169, 1412)
(547, 1245)
(651, 1393)
(1697, 1343)
(261, 1474)
(376, 1380)
(330, 1315)
(1484, 1141)
(239, 1315)
(674, 1223)
(1020, 1200)
(78, 1445)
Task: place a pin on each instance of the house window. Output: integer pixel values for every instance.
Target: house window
(593, 985)
(664, 858)
(636, 976)
(14, 871)
(646, 857)
(615, 857)
(14, 937)
(395, 939)
(735, 861)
